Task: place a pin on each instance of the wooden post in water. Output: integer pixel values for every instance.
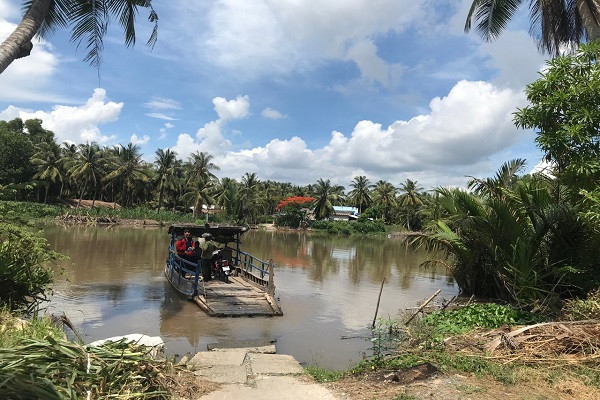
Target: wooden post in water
(271, 287)
(377, 308)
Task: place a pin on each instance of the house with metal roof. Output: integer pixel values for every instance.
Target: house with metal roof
(343, 213)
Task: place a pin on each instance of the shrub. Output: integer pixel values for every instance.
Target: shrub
(23, 278)
(580, 309)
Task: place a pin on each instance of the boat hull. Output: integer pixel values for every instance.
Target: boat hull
(184, 285)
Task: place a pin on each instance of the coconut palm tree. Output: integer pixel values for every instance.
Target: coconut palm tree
(226, 193)
(199, 193)
(553, 23)
(87, 167)
(128, 169)
(248, 197)
(326, 196)
(410, 199)
(202, 166)
(384, 195)
(88, 20)
(165, 162)
(48, 165)
(360, 195)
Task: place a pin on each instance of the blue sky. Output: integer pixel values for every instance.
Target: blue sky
(293, 90)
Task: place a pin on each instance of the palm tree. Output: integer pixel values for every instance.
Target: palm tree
(202, 166)
(248, 204)
(128, 169)
(225, 196)
(326, 197)
(360, 195)
(505, 177)
(47, 162)
(555, 23)
(165, 161)
(89, 21)
(201, 192)
(410, 199)
(88, 167)
(384, 195)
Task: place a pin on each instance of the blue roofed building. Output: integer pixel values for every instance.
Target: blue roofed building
(343, 213)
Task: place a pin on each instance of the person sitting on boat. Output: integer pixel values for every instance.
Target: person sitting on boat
(207, 250)
(185, 246)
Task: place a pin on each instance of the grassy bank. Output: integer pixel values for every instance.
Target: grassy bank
(458, 342)
(24, 212)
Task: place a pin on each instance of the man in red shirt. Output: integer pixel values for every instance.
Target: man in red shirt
(185, 246)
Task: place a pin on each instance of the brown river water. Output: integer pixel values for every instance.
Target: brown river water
(327, 286)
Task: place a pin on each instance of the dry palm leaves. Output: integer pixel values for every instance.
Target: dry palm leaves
(548, 342)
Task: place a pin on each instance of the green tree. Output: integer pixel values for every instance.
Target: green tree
(16, 151)
(165, 162)
(326, 197)
(87, 167)
(565, 112)
(248, 197)
(199, 193)
(128, 169)
(202, 166)
(384, 196)
(360, 195)
(89, 21)
(47, 161)
(411, 199)
(554, 24)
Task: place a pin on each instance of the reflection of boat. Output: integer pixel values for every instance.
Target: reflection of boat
(248, 292)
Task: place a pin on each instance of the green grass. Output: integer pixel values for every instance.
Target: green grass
(13, 330)
(322, 375)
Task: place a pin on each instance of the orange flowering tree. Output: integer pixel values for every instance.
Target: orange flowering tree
(292, 210)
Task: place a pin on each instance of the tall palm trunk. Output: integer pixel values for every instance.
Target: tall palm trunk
(590, 20)
(18, 44)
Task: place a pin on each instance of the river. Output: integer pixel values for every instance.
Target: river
(327, 287)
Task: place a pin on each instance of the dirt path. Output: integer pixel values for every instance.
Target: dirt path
(458, 387)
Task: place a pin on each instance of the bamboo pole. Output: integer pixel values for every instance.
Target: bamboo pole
(377, 308)
(423, 305)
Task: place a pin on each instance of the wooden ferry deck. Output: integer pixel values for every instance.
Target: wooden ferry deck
(249, 292)
(238, 298)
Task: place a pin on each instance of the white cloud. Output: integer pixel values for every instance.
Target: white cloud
(210, 137)
(163, 131)
(232, 109)
(458, 136)
(134, 139)
(160, 116)
(160, 103)
(372, 67)
(185, 146)
(74, 123)
(272, 114)
(257, 37)
(26, 78)
(516, 57)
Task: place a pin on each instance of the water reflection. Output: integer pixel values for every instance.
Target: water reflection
(328, 287)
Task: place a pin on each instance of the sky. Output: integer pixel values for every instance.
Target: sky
(293, 90)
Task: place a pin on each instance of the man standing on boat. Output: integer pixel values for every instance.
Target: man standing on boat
(207, 251)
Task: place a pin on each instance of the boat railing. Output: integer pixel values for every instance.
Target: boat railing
(255, 269)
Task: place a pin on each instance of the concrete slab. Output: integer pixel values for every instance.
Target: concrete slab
(270, 349)
(223, 374)
(212, 358)
(273, 388)
(274, 364)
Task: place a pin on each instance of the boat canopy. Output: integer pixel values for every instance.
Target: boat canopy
(220, 233)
